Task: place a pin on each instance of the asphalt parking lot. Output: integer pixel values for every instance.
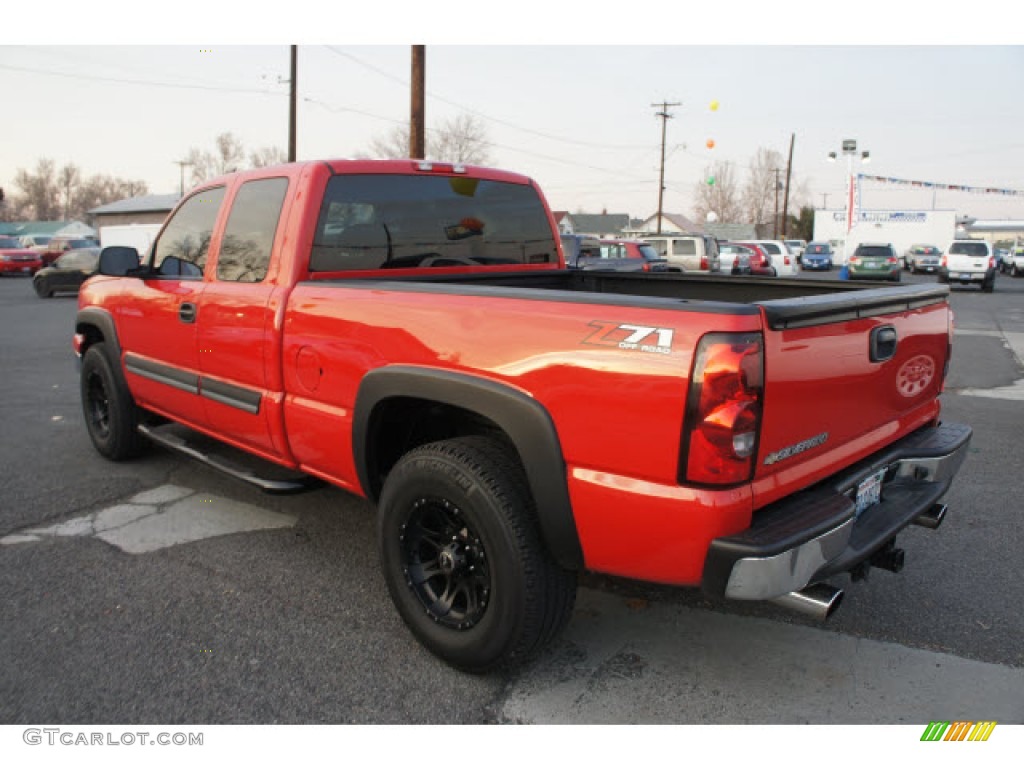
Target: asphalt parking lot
(289, 621)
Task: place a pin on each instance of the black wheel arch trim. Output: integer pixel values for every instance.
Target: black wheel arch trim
(526, 422)
(103, 321)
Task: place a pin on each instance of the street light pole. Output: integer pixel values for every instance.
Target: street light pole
(182, 164)
(849, 150)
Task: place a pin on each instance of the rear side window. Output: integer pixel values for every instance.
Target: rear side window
(969, 249)
(379, 221)
(183, 245)
(647, 252)
(771, 248)
(684, 247)
(249, 234)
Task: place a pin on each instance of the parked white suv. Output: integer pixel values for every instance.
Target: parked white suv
(687, 253)
(969, 262)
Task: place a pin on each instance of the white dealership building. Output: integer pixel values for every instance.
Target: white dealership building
(901, 228)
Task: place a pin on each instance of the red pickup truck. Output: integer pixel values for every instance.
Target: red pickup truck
(408, 332)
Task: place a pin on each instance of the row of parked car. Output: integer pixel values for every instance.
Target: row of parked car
(70, 261)
(30, 253)
(682, 253)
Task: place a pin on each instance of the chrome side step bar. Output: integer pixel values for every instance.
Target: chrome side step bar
(296, 483)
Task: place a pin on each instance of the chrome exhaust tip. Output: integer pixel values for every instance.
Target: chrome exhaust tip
(818, 600)
(933, 518)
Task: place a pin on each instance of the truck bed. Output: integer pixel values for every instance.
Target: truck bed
(787, 303)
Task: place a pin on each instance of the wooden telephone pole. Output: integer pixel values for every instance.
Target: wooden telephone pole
(292, 99)
(664, 115)
(417, 111)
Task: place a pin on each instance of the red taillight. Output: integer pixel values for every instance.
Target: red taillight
(723, 412)
(704, 262)
(945, 260)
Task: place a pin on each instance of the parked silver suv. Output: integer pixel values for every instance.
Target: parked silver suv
(969, 262)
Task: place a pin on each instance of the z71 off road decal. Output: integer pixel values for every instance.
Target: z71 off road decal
(640, 338)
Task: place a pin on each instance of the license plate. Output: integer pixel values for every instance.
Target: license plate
(965, 275)
(869, 492)
(26, 269)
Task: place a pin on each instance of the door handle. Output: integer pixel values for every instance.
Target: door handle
(187, 312)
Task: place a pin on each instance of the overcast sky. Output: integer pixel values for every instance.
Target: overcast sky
(578, 118)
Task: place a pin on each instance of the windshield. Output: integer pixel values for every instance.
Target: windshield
(875, 251)
(9, 242)
(390, 222)
(969, 249)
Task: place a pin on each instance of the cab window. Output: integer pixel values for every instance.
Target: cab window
(185, 241)
(244, 254)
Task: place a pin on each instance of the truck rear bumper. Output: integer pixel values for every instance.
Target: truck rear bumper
(818, 533)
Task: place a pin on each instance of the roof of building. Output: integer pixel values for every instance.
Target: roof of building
(19, 228)
(141, 204)
(727, 231)
(600, 223)
(995, 225)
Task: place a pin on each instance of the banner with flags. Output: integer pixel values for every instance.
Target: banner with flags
(934, 185)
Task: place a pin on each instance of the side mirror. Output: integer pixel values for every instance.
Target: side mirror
(118, 260)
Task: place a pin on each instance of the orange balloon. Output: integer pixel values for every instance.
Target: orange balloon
(711, 143)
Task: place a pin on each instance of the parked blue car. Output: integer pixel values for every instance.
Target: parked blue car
(817, 256)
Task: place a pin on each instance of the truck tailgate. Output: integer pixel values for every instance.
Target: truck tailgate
(845, 376)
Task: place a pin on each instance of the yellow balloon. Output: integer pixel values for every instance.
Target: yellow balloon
(714, 106)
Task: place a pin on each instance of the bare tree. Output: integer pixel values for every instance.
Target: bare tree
(462, 139)
(759, 192)
(102, 189)
(229, 156)
(719, 193)
(266, 156)
(69, 178)
(49, 195)
(38, 195)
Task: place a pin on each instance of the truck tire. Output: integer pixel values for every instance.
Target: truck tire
(42, 288)
(463, 558)
(111, 416)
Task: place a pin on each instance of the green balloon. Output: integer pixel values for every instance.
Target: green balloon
(711, 181)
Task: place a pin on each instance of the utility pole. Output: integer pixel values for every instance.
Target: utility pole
(293, 91)
(665, 116)
(417, 110)
(775, 218)
(182, 164)
(789, 174)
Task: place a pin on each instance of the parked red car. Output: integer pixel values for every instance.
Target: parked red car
(760, 260)
(15, 260)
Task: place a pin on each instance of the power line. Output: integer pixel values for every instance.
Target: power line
(484, 116)
(147, 83)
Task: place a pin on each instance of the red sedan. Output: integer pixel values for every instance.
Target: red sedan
(15, 260)
(760, 260)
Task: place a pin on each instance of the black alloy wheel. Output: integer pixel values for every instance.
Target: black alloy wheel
(111, 416)
(463, 558)
(445, 564)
